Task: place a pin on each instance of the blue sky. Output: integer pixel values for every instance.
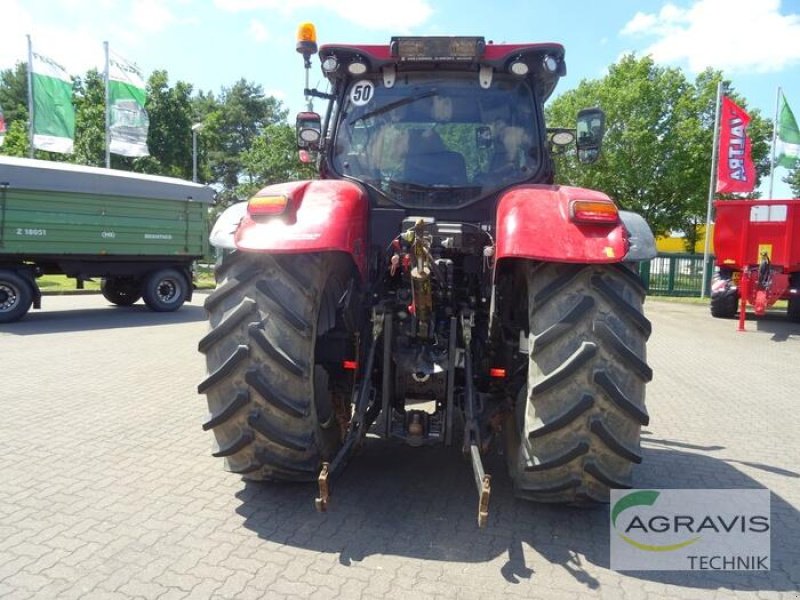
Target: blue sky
(213, 43)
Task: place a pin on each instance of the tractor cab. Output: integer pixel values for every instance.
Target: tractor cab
(439, 122)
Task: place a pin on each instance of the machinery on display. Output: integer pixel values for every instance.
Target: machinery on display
(138, 233)
(433, 286)
(757, 246)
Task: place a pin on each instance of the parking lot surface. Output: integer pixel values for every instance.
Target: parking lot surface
(108, 489)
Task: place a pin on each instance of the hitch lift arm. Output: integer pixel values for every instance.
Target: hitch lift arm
(357, 428)
(472, 440)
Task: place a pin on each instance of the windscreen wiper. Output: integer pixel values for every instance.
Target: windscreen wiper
(392, 105)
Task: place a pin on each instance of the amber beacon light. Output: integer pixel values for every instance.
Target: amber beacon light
(306, 39)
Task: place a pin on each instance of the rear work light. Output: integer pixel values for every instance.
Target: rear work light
(267, 206)
(593, 211)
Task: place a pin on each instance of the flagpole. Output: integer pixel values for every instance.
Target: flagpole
(108, 113)
(774, 139)
(30, 96)
(711, 189)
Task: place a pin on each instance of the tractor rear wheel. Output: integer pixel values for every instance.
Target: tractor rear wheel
(271, 407)
(579, 417)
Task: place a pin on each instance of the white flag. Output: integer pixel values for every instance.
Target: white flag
(128, 120)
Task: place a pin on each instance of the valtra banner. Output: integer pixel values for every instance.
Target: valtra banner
(736, 172)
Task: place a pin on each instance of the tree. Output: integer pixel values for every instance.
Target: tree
(272, 158)
(245, 142)
(242, 115)
(169, 137)
(90, 120)
(793, 179)
(14, 100)
(656, 157)
(14, 93)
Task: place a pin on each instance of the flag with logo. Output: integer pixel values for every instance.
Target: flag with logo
(787, 141)
(736, 172)
(2, 127)
(128, 121)
(53, 112)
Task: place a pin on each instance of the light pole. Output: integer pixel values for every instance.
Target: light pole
(196, 128)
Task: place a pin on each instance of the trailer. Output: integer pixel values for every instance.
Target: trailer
(757, 246)
(139, 234)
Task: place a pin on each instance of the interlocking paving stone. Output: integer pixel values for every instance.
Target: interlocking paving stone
(108, 488)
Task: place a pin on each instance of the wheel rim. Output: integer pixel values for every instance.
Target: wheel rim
(9, 296)
(167, 291)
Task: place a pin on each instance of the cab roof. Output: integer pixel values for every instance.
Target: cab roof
(497, 56)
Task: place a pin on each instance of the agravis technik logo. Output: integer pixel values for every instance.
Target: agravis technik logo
(690, 530)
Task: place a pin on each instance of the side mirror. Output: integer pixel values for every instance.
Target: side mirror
(590, 131)
(309, 130)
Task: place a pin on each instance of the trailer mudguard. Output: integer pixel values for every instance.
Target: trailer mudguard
(533, 222)
(321, 215)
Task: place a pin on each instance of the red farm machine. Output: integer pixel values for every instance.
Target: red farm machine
(433, 286)
(757, 247)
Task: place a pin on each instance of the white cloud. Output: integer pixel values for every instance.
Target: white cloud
(78, 45)
(373, 14)
(257, 31)
(77, 50)
(151, 16)
(732, 35)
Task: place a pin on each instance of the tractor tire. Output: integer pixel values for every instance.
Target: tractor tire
(578, 419)
(165, 290)
(16, 296)
(725, 305)
(270, 406)
(122, 292)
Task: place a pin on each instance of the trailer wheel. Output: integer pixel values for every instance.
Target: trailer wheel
(576, 428)
(16, 296)
(273, 407)
(793, 309)
(121, 291)
(724, 298)
(165, 290)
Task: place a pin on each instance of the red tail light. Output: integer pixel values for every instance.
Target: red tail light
(350, 365)
(497, 372)
(267, 206)
(593, 211)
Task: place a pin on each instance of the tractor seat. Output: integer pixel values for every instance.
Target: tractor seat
(430, 162)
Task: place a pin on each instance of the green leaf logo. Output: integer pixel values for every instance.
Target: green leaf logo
(643, 498)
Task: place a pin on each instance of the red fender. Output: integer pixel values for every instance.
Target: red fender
(533, 221)
(322, 215)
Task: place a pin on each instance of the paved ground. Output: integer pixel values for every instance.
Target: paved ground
(108, 490)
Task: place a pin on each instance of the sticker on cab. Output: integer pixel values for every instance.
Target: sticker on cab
(362, 93)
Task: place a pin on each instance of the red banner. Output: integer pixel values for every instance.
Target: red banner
(736, 172)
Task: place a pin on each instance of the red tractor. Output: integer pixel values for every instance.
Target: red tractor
(757, 247)
(433, 285)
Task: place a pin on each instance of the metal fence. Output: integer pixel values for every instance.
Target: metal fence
(676, 274)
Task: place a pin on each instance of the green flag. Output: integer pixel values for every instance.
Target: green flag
(128, 121)
(53, 113)
(787, 143)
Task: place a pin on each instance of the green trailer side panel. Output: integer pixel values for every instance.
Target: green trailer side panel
(57, 209)
(38, 222)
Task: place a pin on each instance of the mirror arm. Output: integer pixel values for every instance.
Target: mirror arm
(317, 94)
